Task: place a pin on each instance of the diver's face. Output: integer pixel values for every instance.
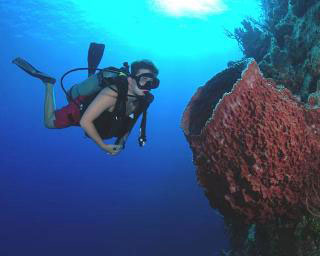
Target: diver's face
(142, 81)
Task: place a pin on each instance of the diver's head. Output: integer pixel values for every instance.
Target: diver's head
(143, 77)
(143, 64)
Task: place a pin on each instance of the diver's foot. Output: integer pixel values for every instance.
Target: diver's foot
(31, 70)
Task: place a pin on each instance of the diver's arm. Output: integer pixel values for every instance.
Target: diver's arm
(104, 100)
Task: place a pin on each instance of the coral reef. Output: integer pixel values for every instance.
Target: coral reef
(256, 138)
(285, 43)
(251, 39)
(278, 238)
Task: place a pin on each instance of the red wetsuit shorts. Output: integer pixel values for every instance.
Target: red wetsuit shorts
(69, 115)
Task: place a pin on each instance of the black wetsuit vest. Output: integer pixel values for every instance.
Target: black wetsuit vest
(117, 123)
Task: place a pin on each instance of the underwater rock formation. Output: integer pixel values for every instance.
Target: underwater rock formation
(255, 140)
(256, 147)
(285, 43)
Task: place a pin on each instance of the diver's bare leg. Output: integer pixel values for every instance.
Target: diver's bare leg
(49, 106)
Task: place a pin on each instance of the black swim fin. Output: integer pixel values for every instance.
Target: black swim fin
(31, 70)
(95, 54)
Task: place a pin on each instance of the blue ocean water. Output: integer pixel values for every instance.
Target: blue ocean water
(59, 193)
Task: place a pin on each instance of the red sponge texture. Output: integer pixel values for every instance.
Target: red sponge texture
(258, 156)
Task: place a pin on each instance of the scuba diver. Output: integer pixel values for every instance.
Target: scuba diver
(105, 105)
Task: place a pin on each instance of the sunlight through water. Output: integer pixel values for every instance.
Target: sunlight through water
(173, 28)
(169, 27)
(191, 7)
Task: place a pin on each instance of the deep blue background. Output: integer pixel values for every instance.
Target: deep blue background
(59, 193)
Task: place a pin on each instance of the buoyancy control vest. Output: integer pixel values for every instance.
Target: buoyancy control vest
(108, 124)
(116, 123)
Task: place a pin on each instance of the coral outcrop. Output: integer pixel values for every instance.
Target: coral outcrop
(255, 138)
(285, 43)
(256, 147)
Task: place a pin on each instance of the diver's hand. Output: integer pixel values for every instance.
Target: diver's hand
(112, 149)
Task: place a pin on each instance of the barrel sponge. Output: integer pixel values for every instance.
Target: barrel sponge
(255, 146)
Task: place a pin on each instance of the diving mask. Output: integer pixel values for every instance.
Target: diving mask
(147, 81)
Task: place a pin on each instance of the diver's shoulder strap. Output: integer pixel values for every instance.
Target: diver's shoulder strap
(121, 103)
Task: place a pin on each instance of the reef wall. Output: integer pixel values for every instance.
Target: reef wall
(254, 130)
(285, 43)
